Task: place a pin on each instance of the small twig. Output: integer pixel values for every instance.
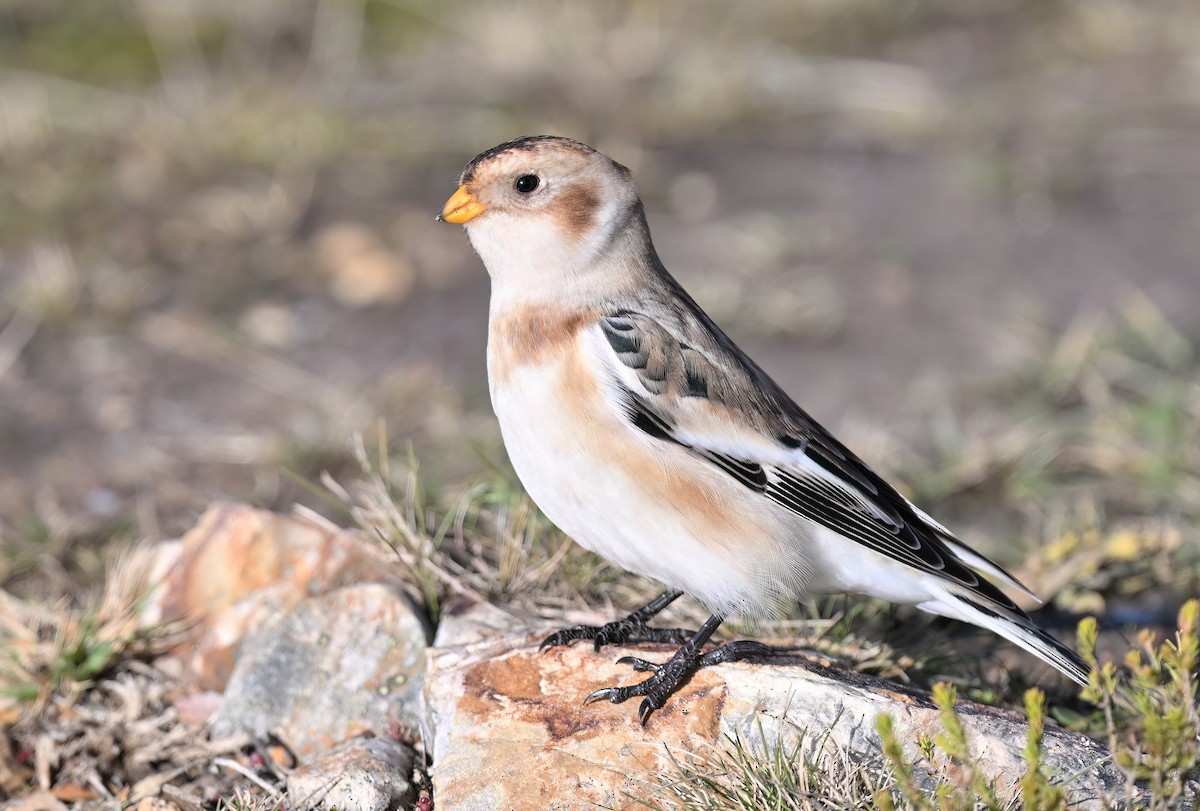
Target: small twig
(249, 775)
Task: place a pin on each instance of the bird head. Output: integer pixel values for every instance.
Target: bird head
(543, 209)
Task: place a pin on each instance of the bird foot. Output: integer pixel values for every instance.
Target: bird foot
(616, 633)
(669, 675)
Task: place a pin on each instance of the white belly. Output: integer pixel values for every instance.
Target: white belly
(630, 498)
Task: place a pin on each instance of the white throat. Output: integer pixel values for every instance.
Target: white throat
(529, 259)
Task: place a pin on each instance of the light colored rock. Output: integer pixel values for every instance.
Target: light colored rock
(365, 774)
(465, 622)
(506, 727)
(239, 567)
(323, 653)
(767, 703)
(338, 665)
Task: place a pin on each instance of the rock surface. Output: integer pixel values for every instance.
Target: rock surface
(338, 665)
(241, 566)
(366, 774)
(323, 646)
(507, 730)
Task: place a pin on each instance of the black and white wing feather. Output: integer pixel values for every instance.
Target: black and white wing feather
(681, 380)
(809, 471)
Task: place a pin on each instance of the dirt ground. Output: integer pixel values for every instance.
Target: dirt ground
(218, 258)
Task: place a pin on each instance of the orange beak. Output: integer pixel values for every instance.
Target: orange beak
(461, 207)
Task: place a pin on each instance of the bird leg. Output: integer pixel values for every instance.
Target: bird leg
(676, 670)
(632, 627)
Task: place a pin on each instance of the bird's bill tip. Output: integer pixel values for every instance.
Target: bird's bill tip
(461, 207)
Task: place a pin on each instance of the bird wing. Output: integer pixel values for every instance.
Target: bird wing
(681, 380)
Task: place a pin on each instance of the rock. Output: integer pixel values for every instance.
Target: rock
(767, 703)
(315, 651)
(240, 566)
(370, 774)
(338, 665)
(506, 728)
(466, 623)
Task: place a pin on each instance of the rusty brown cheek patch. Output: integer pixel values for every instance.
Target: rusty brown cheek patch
(576, 209)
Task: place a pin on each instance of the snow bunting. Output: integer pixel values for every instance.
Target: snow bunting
(645, 434)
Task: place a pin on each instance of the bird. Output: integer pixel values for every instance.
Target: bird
(644, 433)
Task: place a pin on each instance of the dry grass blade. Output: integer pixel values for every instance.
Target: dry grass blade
(810, 775)
(233, 765)
(404, 525)
(243, 800)
(58, 650)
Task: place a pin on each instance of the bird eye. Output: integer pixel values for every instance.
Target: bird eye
(527, 183)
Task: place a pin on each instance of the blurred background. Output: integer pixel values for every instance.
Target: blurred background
(965, 234)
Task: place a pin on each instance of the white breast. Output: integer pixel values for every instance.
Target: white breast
(649, 507)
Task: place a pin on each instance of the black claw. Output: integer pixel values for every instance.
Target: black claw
(604, 692)
(568, 635)
(640, 665)
(644, 710)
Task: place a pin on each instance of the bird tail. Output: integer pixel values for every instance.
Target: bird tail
(1014, 626)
